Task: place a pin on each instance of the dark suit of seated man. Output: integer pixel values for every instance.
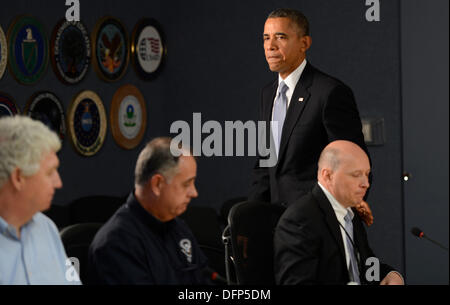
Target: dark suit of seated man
(320, 239)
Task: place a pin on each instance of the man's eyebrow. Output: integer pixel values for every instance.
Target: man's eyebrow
(277, 33)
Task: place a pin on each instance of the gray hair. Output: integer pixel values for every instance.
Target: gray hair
(330, 157)
(157, 158)
(23, 142)
(295, 17)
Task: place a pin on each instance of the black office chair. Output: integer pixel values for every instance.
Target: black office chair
(226, 207)
(76, 240)
(248, 240)
(59, 214)
(93, 208)
(204, 224)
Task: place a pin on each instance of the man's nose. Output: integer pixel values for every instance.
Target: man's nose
(365, 183)
(58, 181)
(270, 44)
(194, 192)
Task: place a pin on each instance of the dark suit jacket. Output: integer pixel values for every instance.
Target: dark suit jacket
(327, 113)
(308, 244)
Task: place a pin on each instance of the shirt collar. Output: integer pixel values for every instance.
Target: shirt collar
(6, 227)
(292, 79)
(3, 225)
(338, 208)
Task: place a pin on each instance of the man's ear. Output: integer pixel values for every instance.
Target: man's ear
(306, 43)
(17, 179)
(326, 174)
(156, 183)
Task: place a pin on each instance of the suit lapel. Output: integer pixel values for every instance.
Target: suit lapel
(296, 106)
(269, 98)
(330, 219)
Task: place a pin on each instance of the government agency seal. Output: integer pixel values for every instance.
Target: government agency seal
(87, 125)
(128, 116)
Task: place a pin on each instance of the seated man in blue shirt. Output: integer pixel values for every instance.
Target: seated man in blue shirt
(144, 242)
(31, 251)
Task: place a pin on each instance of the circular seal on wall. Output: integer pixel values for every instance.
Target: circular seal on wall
(148, 48)
(3, 53)
(128, 116)
(7, 105)
(47, 108)
(70, 51)
(86, 120)
(27, 50)
(111, 50)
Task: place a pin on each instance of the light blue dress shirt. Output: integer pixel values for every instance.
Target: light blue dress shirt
(37, 257)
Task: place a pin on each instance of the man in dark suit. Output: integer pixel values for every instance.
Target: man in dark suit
(307, 109)
(319, 239)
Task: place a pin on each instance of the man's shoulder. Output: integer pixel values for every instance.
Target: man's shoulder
(43, 221)
(270, 86)
(121, 226)
(324, 79)
(304, 209)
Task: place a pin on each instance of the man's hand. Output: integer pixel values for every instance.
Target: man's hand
(393, 278)
(365, 213)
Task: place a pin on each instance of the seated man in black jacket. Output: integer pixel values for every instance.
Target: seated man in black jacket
(144, 242)
(320, 239)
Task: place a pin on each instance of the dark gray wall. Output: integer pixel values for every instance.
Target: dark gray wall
(425, 77)
(215, 65)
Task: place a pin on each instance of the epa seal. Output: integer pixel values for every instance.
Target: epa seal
(86, 120)
(70, 51)
(128, 116)
(148, 48)
(47, 108)
(7, 105)
(27, 49)
(3, 52)
(111, 50)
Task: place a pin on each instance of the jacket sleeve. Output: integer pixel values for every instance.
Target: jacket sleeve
(295, 252)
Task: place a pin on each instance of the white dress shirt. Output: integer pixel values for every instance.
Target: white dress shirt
(340, 212)
(290, 81)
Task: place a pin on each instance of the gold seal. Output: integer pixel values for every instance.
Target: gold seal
(86, 121)
(3, 52)
(128, 116)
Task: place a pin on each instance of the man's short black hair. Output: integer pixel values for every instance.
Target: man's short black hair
(295, 16)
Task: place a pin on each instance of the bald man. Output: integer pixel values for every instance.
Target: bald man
(320, 239)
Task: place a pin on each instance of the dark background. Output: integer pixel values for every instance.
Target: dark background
(215, 65)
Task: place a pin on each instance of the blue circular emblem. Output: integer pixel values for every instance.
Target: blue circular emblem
(87, 122)
(28, 49)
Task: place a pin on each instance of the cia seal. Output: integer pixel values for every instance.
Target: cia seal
(128, 117)
(110, 49)
(7, 105)
(70, 51)
(3, 53)
(148, 48)
(27, 49)
(186, 248)
(86, 119)
(47, 108)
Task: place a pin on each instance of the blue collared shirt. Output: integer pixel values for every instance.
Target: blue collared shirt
(37, 257)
